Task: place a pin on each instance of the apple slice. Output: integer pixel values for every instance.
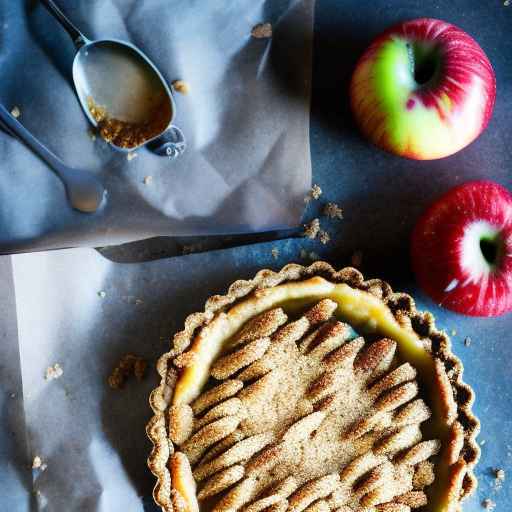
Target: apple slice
(462, 249)
(183, 484)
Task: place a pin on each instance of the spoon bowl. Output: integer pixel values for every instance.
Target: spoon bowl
(122, 93)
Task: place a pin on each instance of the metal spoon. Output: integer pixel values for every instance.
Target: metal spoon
(85, 192)
(118, 76)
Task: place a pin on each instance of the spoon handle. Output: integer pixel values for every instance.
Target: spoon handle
(78, 38)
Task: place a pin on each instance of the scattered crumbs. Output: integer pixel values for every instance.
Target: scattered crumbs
(467, 341)
(262, 31)
(499, 474)
(357, 259)
(102, 294)
(128, 364)
(312, 229)
(275, 253)
(92, 134)
(454, 332)
(333, 211)
(313, 194)
(181, 86)
(53, 372)
(131, 155)
(16, 112)
(488, 504)
(147, 180)
(324, 237)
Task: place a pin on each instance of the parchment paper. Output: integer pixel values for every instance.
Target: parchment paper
(93, 438)
(246, 120)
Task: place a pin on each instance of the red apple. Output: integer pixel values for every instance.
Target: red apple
(424, 89)
(462, 249)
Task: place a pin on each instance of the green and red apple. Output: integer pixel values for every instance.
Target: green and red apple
(424, 89)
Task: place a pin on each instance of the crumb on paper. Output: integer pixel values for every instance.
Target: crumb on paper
(333, 211)
(262, 31)
(131, 155)
(102, 294)
(324, 237)
(312, 229)
(16, 112)
(181, 86)
(454, 332)
(500, 474)
(482, 442)
(53, 372)
(147, 180)
(357, 259)
(488, 504)
(313, 194)
(128, 364)
(467, 341)
(275, 253)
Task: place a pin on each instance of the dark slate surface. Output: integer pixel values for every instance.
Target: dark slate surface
(382, 196)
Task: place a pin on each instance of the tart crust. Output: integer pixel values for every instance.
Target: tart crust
(460, 450)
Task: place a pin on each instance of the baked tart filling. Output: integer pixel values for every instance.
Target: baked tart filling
(311, 389)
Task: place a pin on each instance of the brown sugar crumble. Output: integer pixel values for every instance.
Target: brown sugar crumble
(16, 112)
(53, 372)
(333, 211)
(313, 194)
(262, 31)
(181, 86)
(128, 135)
(312, 229)
(129, 364)
(324, 237)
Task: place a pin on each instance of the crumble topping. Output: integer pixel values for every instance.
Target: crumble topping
(181, 86)
(313, 194)
(262, 31)
(16, 112)
(312, 229)
(324, 237)
(126, 134)
(333, 211)
(53, 372)
(128, 364)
